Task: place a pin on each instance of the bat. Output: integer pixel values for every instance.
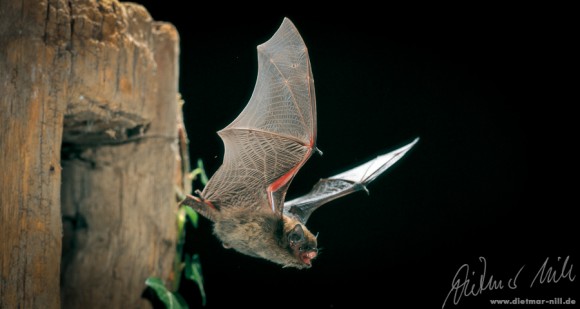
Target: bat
(265, 146)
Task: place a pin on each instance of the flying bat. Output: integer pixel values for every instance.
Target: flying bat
(265, 146)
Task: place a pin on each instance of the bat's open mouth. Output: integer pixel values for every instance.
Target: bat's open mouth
(308, 256)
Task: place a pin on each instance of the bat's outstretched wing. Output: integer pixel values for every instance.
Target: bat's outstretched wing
(342, 184)
(275, 134)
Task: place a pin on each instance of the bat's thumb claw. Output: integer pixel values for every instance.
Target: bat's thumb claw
(318, 150)
(366, 190)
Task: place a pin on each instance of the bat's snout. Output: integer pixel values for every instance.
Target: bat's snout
(308, 255)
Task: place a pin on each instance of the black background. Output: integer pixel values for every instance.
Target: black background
(487, 94)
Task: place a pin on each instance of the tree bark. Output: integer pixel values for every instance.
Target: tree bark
(98, 78)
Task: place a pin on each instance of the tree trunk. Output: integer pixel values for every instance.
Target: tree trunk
(99, 79)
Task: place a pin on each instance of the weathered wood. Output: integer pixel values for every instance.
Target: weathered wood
(31, 114)
(99, 77)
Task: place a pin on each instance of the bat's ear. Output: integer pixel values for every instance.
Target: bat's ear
(296, 236)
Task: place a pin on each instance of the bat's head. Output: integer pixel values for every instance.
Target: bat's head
(301, 243)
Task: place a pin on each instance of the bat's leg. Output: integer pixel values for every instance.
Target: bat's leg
(203, 207)
(200, 198)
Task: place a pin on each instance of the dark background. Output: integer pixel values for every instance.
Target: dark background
(487, 94)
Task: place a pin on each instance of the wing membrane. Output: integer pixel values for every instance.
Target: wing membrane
(274, 135)
(343, 184)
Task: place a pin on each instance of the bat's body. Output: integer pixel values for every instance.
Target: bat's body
(265, 146)
(263, 234)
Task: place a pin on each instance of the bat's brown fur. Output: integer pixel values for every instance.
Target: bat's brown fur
(261, 234)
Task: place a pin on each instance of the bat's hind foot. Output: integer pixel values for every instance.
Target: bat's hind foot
(198, 193)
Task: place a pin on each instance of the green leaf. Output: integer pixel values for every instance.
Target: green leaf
(192, 215)
(203, 175)
(181, 301)
(170, 300)
(177, 264)
(199, 171)
(181, 214)
(193, 272)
